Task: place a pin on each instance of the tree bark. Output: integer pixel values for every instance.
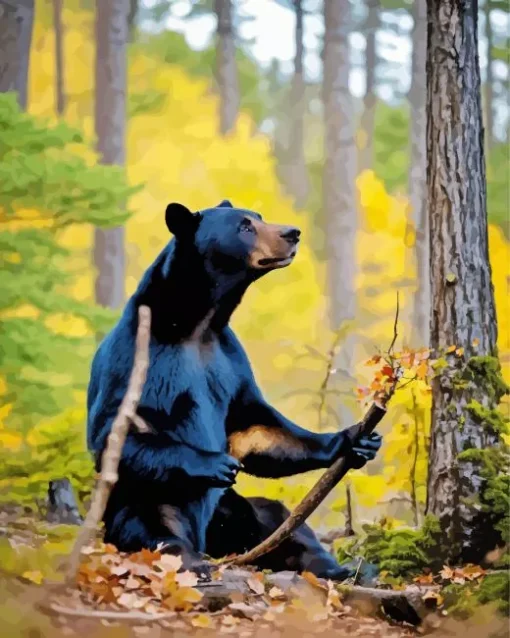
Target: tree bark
(16, 22)
(367, 124)
(489, 83)
(417, 188)
(110, 124)
(339, 191)
(226, 67)
(59, 57)
(295, 169)
(463, 312)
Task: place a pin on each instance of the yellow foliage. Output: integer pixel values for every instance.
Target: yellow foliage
(176, 152)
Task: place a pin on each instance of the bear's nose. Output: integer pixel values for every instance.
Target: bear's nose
(291, 234)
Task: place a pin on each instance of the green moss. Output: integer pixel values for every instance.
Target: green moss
(492, 421)
(495, 588)
(404, 551)
(485, 371)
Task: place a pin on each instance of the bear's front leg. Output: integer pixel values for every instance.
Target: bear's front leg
(270, 445)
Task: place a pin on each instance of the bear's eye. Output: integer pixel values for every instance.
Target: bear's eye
(246, 226)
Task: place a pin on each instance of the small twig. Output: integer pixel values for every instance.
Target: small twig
(395, 327)
(357, 571)
(129, 616)
(115, 442)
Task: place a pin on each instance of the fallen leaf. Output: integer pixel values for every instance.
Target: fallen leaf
(276, 592)
(202, 620)
(230, 620)
(33, 576)
(256, 585)
(424, 579)
(169, 562)
(313, 580)
(187, 579)
(132, 583)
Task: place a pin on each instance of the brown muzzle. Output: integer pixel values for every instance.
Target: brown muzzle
(275, 245)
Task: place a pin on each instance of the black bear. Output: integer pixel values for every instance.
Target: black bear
(202, 415)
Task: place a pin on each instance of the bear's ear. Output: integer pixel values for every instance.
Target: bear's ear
(180, 220)
(225, 204)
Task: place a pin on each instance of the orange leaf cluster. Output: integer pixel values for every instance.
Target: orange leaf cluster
(147, 580)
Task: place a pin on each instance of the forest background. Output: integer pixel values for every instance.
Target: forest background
(203, 124)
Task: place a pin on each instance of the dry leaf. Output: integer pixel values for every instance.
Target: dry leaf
(187, 579)
(132, 583)
(313, 580)
(256, 585)
(276, 592)
(169, 563)
(33, 576)
(202, 620)
(435, 596)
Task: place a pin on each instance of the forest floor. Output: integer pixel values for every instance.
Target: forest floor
(149, 594)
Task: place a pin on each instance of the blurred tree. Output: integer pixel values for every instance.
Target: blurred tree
(467, 386)
(226, 67)
(16, 20)
(367, 124)
(489, 80)
(417, 183)
(110, 125)
(339, 191)
(291, 151)
(59, 57)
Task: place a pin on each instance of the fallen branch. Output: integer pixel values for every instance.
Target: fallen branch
(403, 606)
(126, 616)
(115, 442)
(331, 476)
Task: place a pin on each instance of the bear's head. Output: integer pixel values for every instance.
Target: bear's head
(230, 239)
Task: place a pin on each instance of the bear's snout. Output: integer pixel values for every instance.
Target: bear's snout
(275, 246)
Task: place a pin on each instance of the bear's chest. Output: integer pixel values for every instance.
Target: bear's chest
(190, 388)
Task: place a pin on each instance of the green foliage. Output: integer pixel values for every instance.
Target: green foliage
(47, 185)
(492, 421)
(461, 600)
(402, 552)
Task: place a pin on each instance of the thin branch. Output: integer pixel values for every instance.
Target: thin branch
(395, 326)
(116, 438)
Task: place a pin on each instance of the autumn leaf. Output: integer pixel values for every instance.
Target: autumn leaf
(313, 580)
(475, 343)
(276, 592)
(33, 576)
(446, 573)
(202, 620)
(424, 579)
(256, 584)
(169, 563)
(450, 349)
(459, 352)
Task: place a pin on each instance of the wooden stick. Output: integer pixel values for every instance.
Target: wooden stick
(115, 442)
(318, 492)
(332, 475)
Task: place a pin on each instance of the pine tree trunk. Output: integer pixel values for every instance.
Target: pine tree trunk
(16, 21)
(489, 83)
(367, 124)
(463, 312)
(418, 179)
(296, 169)
(340, 163)
(110, 123)
(59, 57)
(226, 67)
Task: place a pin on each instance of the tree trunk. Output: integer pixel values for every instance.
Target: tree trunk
(489, 83)
(339, 193)
(16, 21)
(463, 312)
(295, 169)
(418, 179)
(226, 68)
(59, 57)
(110, 124)
(367, 124)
